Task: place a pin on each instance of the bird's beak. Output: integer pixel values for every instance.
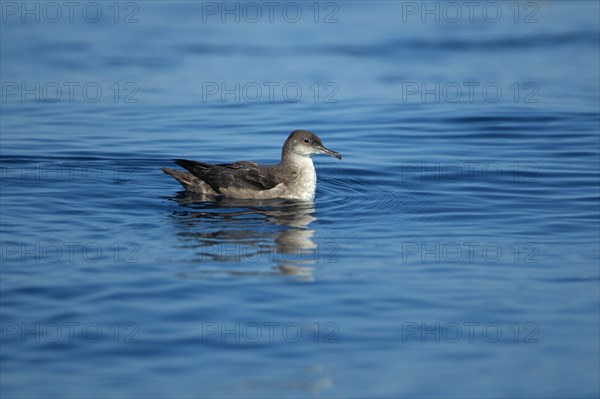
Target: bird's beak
(327, 151)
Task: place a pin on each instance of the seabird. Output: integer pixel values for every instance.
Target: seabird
(293, 178)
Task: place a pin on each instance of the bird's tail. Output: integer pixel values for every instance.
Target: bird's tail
(188, 180)
(185, 178)
(192, 165)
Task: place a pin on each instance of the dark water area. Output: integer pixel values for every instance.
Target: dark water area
(453, 252)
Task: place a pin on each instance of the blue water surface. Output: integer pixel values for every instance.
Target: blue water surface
(453, 252)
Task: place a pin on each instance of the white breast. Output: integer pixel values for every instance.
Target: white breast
(304, 185)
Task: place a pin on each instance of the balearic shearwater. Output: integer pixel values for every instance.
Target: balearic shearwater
(293, 178)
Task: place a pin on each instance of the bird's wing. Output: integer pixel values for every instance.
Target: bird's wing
(193, 165)
(242, 174)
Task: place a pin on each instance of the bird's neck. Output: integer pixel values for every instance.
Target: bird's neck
(299, 172)
(296, 163)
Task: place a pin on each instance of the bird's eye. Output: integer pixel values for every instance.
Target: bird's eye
(306, 140)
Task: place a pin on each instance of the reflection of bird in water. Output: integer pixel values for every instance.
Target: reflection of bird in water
(251, 232)
(293, 178)
(313, 380)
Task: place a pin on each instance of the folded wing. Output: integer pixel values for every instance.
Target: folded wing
(240, 175)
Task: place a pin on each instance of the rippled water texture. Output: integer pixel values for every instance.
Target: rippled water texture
(453, 252)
